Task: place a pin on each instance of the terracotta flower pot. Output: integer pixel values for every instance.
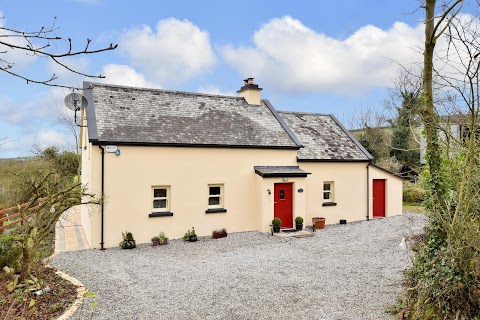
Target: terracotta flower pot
(318, 223)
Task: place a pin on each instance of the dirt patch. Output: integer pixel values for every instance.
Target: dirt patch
(51, 305)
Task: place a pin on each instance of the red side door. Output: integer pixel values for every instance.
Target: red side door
(378, 198)
(283, 204)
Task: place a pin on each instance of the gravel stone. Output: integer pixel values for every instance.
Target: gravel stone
(351, 271)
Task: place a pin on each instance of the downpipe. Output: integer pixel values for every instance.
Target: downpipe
(103, 194)
(368, 191)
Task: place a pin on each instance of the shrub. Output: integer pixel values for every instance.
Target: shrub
(413, 193)
(298, 220)
(128, 242)
(162, 237)
(189, 233)
(155, 239)
(10, 252)
(276, 222)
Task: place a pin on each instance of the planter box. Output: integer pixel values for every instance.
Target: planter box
(218, 235)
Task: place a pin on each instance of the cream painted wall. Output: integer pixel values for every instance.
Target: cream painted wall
(130, 176)
(267, 204)
(350, 192)
(188, 171)
(86, 176)
(393, 192)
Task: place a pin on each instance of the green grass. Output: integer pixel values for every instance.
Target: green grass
(413, 207)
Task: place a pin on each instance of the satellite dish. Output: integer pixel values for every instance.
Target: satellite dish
(75, 102)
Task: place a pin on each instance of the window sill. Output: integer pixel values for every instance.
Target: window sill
(329, 204)
(160, 214)
(219, 210)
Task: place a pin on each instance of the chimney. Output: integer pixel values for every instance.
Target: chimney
(250, 91)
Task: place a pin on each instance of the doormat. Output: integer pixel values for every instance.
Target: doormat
(289, 230)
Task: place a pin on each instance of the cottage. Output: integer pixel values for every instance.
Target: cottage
(170, 160)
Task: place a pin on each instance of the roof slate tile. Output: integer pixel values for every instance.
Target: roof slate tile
(153, 116)
(323, 138)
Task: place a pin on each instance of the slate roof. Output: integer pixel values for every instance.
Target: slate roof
(323, 138)
(139, 116)
(280, 171)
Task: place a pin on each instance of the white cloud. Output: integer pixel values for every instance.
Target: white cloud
(174, 52)
(50, 137)
(43, 138)
(41, 107)
(211, 89)
(291, 57)
(126, 76)
(10, 112)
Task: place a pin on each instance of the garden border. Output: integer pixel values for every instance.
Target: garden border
(81, 290)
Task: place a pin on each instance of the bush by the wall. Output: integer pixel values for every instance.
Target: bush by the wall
(413, 193)
(10, 252)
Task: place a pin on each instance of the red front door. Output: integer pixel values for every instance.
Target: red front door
(283, 204)
(378, 198)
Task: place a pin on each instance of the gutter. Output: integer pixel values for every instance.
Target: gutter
(103, 193)
(368, 191)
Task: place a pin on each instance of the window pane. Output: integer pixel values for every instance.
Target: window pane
(326, 195)
(160, 193)
(214, 201)
(326, 186)
(159, 204)
(214, 190)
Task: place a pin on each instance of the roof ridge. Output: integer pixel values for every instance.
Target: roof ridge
(165, 90)
(306, 113)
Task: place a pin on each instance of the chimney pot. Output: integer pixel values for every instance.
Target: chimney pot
(250, 91)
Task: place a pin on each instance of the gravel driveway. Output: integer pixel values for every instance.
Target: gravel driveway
(348, 271)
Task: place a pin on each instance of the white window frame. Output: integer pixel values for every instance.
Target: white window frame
(167, 198)
(331, 192)
(221, 195)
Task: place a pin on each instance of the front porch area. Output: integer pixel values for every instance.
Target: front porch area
(293, 233)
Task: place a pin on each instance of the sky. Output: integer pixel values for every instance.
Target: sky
(334, 57)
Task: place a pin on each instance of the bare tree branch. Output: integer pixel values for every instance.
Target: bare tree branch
(40, 43)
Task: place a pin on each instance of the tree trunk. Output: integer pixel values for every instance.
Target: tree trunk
(430, 121)
(26, 261)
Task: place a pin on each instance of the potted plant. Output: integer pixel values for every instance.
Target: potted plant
(128, 242)
(190, 235)
(299, 223)
(318, 223)
(219, 233)
(162, 238)
(155, 241)
(276, 222)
